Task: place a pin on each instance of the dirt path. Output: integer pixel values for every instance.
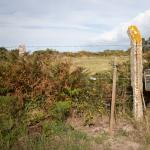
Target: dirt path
(99, 133)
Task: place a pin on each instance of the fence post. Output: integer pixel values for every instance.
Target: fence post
(113, 96)
(136, 71)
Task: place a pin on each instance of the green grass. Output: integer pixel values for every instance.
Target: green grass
(55, 136)
(98, 63)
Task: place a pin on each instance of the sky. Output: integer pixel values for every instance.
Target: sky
(70, 25)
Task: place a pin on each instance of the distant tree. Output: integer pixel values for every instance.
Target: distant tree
(3, 53)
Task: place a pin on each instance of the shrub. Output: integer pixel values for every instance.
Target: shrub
(46, 86)
(8, 104)
(61, 110)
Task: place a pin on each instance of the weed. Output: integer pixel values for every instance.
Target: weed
(101, 138)
(60, 110)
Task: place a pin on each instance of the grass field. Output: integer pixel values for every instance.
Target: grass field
(98, 63)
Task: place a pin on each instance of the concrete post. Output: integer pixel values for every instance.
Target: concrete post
(136, 71)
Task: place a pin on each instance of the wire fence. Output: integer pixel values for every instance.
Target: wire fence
(100, 83)
(100, 44)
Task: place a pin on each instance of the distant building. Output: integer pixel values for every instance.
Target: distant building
(146, 44)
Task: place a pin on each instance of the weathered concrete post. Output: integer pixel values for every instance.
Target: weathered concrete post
(136, 71)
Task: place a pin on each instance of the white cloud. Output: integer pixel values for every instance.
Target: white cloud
(68, 22)
(119, 33)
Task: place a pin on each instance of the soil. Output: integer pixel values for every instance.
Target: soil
(118, 141)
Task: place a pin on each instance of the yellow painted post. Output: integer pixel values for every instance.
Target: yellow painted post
(136, 71)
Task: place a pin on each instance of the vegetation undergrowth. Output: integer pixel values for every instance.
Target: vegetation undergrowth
(39, 91)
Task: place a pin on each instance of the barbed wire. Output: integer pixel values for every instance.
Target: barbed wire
(110, 78)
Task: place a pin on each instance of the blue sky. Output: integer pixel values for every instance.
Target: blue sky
(71, 22)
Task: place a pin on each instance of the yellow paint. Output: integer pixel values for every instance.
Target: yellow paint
(135, 34)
